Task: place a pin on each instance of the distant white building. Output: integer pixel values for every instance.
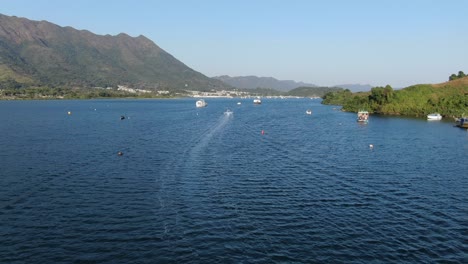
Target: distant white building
(131, 90)
(125, 88)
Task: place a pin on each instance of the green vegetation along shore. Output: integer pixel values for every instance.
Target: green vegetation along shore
(21, 92)
(449, 99)
(46, 93)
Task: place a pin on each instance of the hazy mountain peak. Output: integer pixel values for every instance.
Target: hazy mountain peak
(253, 82)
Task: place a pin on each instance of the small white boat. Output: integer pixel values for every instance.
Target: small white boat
(239, 103)
(434, 116)
(363, 116)
(257, 101)
(309, 112)
(228, 112)
(201, 103)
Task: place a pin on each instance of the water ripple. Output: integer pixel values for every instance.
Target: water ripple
(196, 186)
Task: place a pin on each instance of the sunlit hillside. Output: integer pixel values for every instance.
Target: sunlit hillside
(449, 99)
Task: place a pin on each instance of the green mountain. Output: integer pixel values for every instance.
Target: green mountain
(39, 53)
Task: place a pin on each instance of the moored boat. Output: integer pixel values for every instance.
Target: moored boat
(257, 101)
(309, 112)
(434, 116)
(201, 103)
(363, 116)
(462, 122)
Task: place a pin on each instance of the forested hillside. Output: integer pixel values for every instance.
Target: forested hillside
(449, 99)
(39, 53)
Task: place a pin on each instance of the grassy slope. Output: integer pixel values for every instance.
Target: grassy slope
(6, 73)
(449, 99)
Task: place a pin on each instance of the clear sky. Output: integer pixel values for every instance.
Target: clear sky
(327, 42)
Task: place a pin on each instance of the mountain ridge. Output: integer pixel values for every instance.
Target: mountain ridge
(44, 53)
(253, 82)
(355, 87)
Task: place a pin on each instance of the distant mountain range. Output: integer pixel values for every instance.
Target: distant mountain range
(39, 53)
(313, 91)
(253, 82)
(356, 87)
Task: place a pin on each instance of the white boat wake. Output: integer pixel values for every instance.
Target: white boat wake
(185, 171)
(208, 135)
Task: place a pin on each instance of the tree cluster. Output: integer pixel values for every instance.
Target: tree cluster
(454, 76)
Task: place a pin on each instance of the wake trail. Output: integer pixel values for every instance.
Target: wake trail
(207, 136)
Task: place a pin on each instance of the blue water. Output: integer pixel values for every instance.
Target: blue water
(194, 185)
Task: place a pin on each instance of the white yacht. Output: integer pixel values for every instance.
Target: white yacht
(434, 116)
(201, 103)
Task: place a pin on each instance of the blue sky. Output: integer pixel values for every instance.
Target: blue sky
(328, 43)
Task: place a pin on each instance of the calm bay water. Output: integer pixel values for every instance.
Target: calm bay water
(195, 185)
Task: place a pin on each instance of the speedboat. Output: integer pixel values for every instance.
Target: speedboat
(363, 116)
(228, 112)
(201, 103)
(434, 116)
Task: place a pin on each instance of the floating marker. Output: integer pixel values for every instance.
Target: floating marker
(120, 153)
(371, 146)
(263, 132)
(69, 112)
